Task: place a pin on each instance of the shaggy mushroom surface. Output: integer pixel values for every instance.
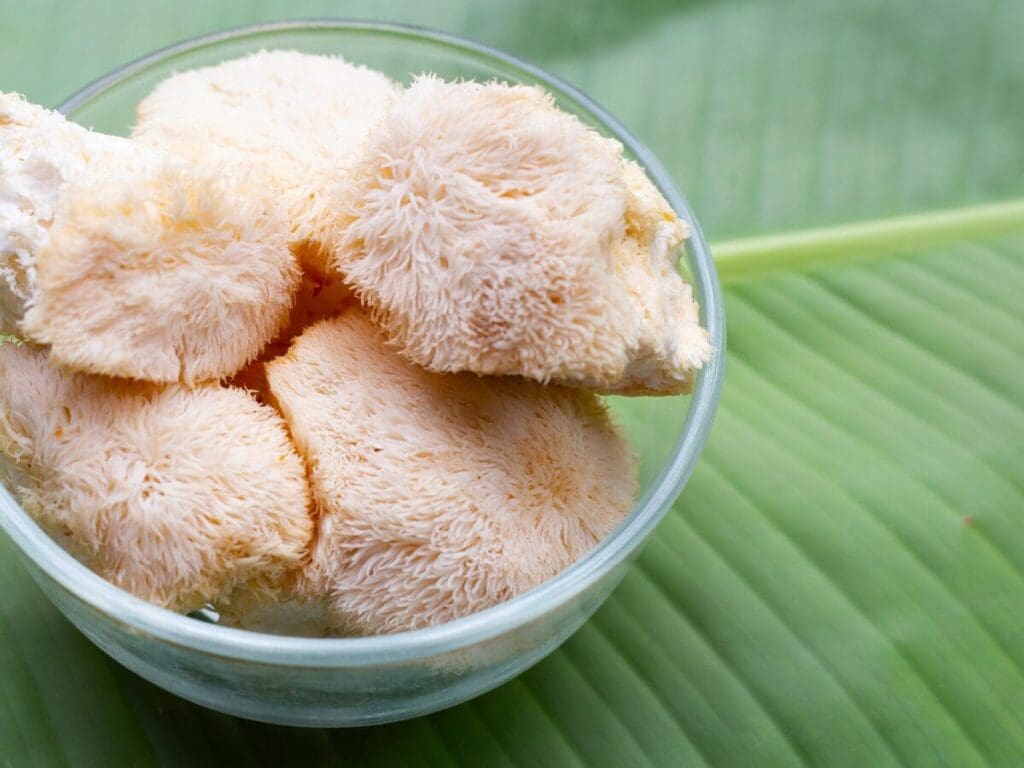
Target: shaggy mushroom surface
(491, 232)
(127, 263)
(440, 495)
(297, 119)
(179, 496)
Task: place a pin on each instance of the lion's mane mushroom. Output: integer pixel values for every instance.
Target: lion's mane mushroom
(127, 263)
(179, 496)
(491, 232)
(296, 118)
(440, 495)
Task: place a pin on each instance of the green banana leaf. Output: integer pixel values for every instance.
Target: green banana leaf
(842, 581)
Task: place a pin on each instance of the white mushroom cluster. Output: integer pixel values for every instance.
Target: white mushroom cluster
(297, 120)
(491, 232)
(180, 496)
(471, 492)
(127, 262)
(324, 352)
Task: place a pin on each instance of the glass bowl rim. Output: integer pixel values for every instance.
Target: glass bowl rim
(137, 615)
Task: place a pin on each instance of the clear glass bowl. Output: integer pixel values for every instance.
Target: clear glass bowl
(358, 681)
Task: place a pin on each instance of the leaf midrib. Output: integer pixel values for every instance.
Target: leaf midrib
(752, 257)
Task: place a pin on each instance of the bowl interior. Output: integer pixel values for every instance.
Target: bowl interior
(667, 433)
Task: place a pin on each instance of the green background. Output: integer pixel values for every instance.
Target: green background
(842, 581)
